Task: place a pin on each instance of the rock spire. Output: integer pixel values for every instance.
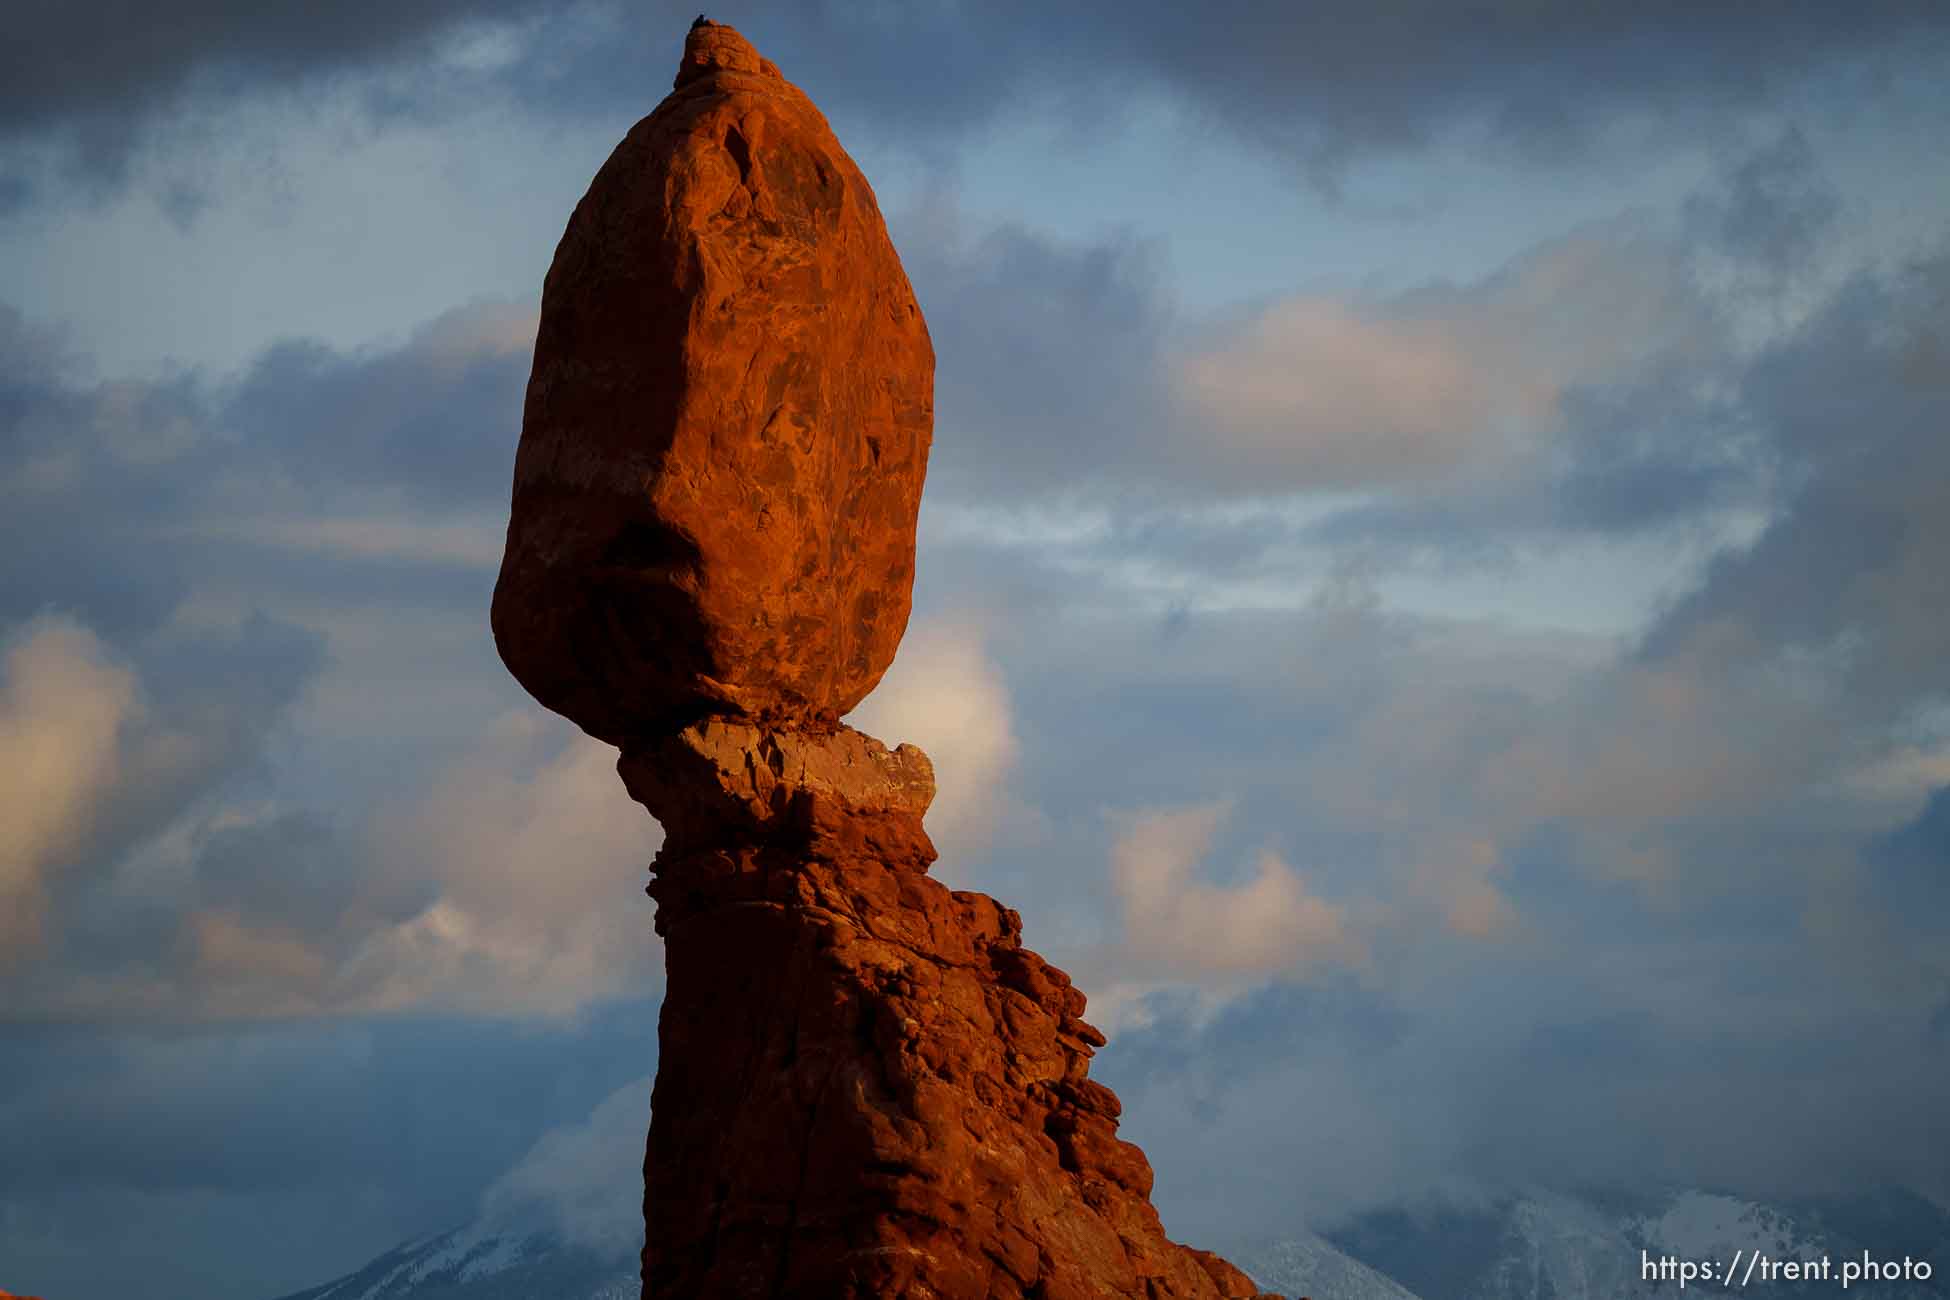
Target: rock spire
(866, 1085)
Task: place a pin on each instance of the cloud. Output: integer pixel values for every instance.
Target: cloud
(1270, 924)
(1320, 87)
(1576, 858)
(1048, 350)
(433, 418)
(1441, 382)
(1844, 579)
(200, 1162)
(1773, 207)
(1582, 850)
(510, 885)
(466, 542)
(946, 695)
(119, 69)
(1579, 387)
(132, 497)
(1747, 786)
(1324, 85)
(498, 885)
(1305, 1102)
(1353, 399)
(539, 874)
(306, 543)
(1590, 396)
(110, 751)
(584, 1180)
(63, 705)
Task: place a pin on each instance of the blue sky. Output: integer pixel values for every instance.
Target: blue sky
(1431, 601)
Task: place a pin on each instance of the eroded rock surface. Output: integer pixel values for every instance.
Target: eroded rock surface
(726, 427)
(866, 1085)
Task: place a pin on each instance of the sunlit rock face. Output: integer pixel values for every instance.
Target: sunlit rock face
(866, 1085)
(727, 424)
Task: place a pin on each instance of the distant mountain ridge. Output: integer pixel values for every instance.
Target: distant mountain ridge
(486, 1262)
(1538, 1245)
(1553, 1246)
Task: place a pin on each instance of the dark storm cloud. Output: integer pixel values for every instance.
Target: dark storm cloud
(1299, 1105)
(327, 1141)
(90, 76)
(309, 884)
(122, 493)
(153, 524)
(1049, 354)
(70, 497)
(1647, 454)
(1320, 84)
(1773, 208)
(440, 428)
(1325, 82)
(1911, 868)
(1850, 573)
(124, 499)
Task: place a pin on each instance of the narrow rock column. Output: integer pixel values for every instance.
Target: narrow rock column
(866, 1085)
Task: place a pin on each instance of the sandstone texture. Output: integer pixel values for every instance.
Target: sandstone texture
(866, 1085)
(726, 427)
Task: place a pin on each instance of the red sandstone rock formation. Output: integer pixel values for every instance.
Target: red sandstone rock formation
(867, 1086)
(727, 424)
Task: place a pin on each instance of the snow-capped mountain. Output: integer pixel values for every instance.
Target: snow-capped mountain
(1552, 1246)
(483, 1262)
(1535, 1246)
(1309, 1265)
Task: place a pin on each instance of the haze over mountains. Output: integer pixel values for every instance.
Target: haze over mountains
(1533, 1246)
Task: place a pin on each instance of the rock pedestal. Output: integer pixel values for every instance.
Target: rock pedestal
(866, 1085)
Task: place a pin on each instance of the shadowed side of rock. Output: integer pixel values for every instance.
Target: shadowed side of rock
(726, 428)
(866, 1085)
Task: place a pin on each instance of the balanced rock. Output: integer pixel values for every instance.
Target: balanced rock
(727, 424)
(866, 1085)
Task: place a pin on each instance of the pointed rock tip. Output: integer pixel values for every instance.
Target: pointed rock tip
(714, 47)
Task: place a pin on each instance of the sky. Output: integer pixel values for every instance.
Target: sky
(1431, 601)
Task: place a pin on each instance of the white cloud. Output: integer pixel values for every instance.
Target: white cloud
(513, 885)
(1267, 925)
(486, 328)
(540, 876)
(946, 695)
(1352, 396)
(585, 1179)
(63, 706)
(1439, 382)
